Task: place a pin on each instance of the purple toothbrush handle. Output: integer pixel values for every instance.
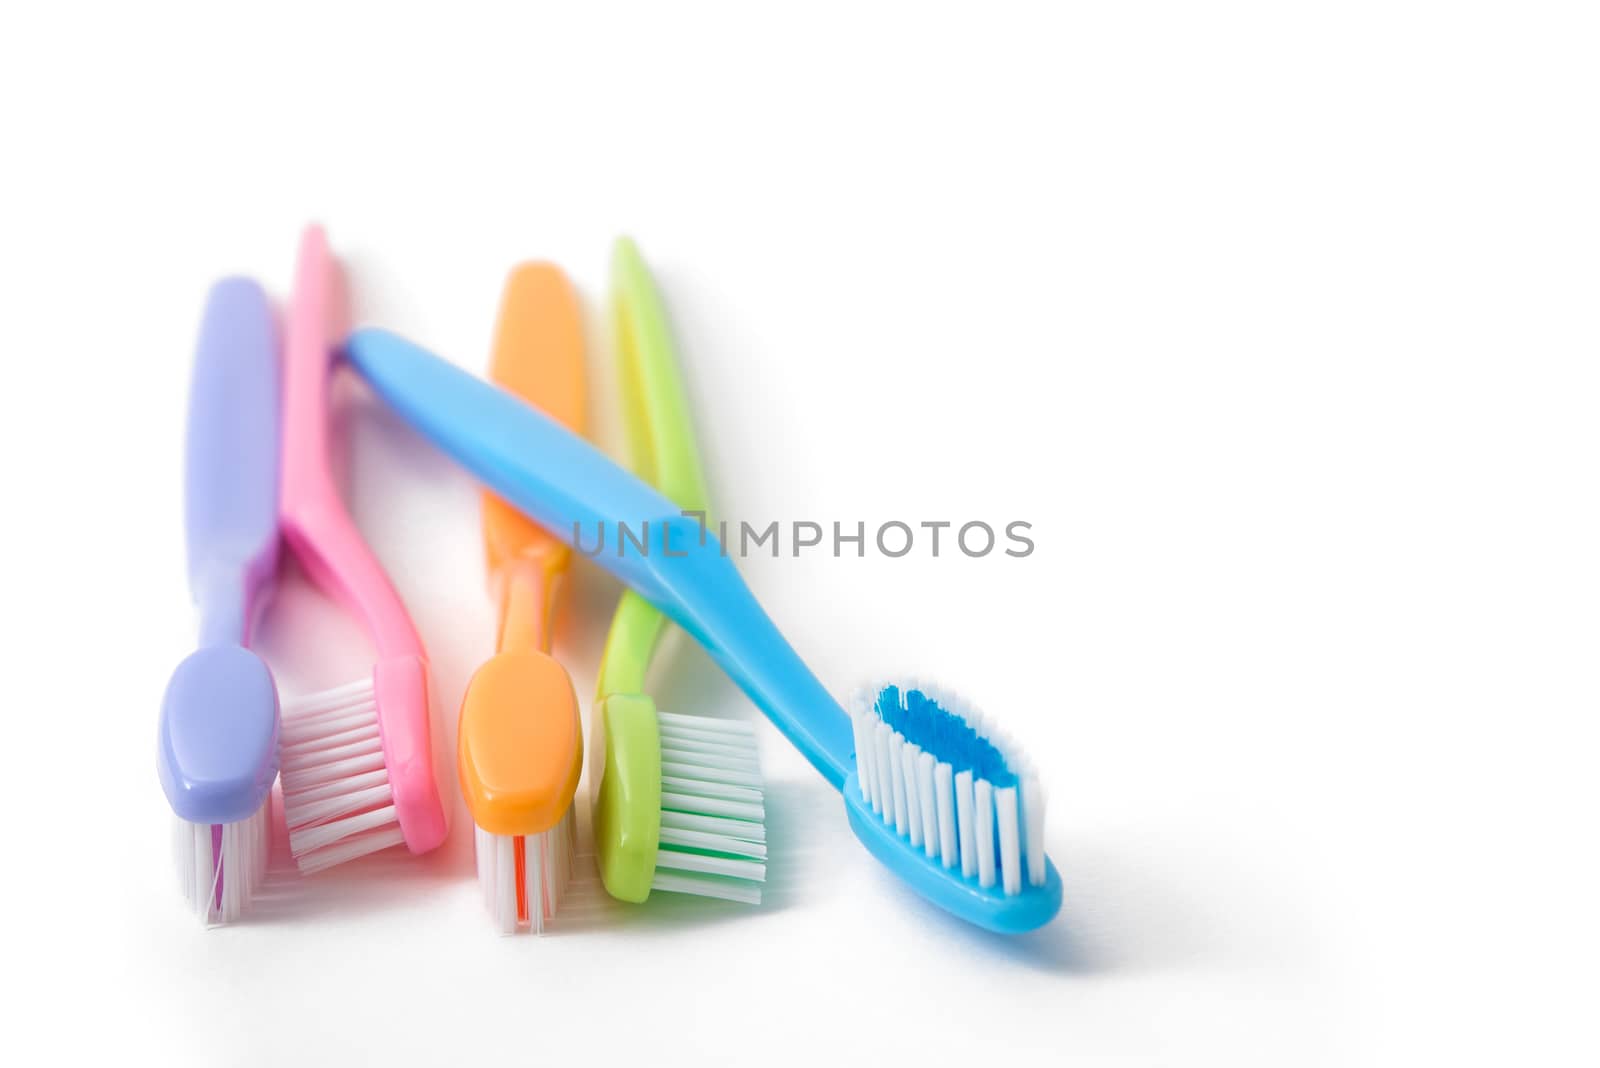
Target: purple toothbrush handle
(231, 490)
(218, 739)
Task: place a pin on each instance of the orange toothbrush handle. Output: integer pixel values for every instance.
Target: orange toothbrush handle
(538, 355)
(528, 589)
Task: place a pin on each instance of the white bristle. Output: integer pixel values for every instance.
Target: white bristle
(673, 784)
(1033, 829)
(908, 763)
(358, 845)
(336, 798)
(336, 795)
(332, 698)
(539, 879)
(666, 721)
(483, 859)
(964, 829)
(936, 802)
(864, 768)
(710, 865)
(310, 838)
(866, 762)
(680, 764)
(714, 806)
(681, 724)
(983, 829)
(734, 747)
(713, 836)
(719, 842)
(355, 737)
(500, 890)
(676, 752)
(1005, 809)
(218, 884)
(315, 726)
(927, 806)
(880, 755)
(944, 792)
(897, 776)
(707, 886)
(744, 830)
(546, 869)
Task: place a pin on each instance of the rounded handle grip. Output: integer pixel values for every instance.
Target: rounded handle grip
(231, 484)
(538, 356)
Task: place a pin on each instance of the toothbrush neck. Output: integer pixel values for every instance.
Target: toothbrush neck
(630, 643)
(225, 609)
(528, 589)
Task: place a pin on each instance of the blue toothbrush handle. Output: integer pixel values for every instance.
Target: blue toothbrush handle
(231, 480)
(571, 489)
(705, 595)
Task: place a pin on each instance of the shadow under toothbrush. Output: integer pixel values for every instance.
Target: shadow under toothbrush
(1058, 947)
(391, 878)
(1123, 912)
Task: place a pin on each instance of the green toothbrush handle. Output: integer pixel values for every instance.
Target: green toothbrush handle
(635, 629)
(661, 438)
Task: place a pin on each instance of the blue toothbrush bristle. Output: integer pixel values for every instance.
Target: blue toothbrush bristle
(930, 768)
(920, 719)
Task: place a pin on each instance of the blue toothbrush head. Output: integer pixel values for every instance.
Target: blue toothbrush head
(951, 807)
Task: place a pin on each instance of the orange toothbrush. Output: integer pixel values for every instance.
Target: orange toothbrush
(521, 746)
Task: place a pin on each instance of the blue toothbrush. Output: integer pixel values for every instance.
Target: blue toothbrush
(929, 790)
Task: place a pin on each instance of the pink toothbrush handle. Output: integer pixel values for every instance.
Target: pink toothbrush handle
(331, 549)
(314, 516)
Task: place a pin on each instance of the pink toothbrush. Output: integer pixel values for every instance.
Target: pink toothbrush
(358, 771)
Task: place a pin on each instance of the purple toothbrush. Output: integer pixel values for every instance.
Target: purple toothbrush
(218, 752)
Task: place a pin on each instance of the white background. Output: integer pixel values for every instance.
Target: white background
(1278, 322)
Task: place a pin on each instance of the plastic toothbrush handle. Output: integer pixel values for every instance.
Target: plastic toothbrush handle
(576, 493)
(660, 430)
(661, 439)
(538, 355)
(324, 537)
(231, 492)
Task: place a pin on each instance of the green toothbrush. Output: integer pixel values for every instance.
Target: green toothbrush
(678, 805)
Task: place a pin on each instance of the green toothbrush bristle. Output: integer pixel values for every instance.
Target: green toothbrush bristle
(713, 838)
